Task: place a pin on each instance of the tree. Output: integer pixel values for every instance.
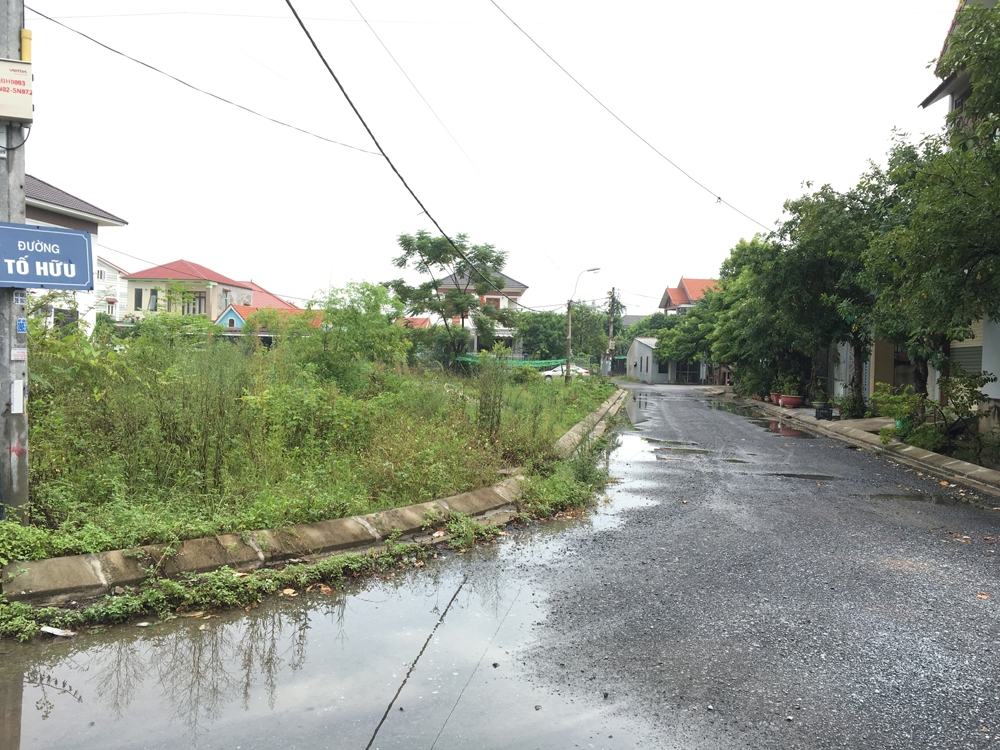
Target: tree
(543, 334)
(475, 270)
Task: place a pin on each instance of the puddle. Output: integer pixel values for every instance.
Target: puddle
(693, 451)
(668, 442)
(814, 477)
(435, 657)
(743, 411)
(432, 658)
(636, 407)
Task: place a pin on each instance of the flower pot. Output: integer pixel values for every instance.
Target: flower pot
(791, 402)
(775, 398)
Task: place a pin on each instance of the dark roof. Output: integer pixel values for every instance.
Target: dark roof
(628, 320)
(43, 192)
(463, 281)
(180, 270)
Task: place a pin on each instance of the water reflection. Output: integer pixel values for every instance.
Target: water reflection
(294, 670)
(636, 406)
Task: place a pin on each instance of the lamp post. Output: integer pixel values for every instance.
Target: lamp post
(569, 320)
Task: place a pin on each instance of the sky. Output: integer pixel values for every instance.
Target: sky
(751, 99)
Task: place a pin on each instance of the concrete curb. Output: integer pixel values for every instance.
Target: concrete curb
(62, 579)
(970, 475)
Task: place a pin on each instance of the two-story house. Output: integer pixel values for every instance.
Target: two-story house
(503, 299)
(186, 287)
(677, 300)
(48, 206)
(982, 350)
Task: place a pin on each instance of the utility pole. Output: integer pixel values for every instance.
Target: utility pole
(13, 302)
(569, 336)
(611, 332)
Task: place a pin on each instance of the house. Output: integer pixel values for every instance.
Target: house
(108, 296)
(982, 350)
(680, 299)
(49, 206)
(642, 365)
(203, 291)
(235, 317)
(414, 322)
(506, 298)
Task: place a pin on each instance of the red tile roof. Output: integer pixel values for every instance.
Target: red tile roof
(415, 322)
(696, 288)
(264, 298)
(687, 292)
(185, 270)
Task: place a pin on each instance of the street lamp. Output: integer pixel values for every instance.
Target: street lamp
(569, 321)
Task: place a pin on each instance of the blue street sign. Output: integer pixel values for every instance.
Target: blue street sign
(34, 257)
(22, 325)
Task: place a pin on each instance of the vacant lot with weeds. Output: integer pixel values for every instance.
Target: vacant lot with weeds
(173, 432)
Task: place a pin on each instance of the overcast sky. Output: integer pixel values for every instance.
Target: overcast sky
(750, 98)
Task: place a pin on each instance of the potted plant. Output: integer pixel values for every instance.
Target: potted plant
(777, 390)
(790, 397)
(819, 397)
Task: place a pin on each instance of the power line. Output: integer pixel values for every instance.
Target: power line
(718, 198)
(486, 277)
(410, 80)
(195, 88)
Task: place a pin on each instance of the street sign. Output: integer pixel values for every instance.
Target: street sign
(44, 258)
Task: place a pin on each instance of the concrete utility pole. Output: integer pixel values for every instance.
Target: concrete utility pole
(611, 332)
(13, 302)
(569, 334)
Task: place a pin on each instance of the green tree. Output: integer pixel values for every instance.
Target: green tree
(543, 334)
(475, 268)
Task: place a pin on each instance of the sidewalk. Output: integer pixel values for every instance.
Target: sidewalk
(863, 433)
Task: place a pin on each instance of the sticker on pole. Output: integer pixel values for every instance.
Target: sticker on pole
(44, 258)
(22, 325)
(19, 354)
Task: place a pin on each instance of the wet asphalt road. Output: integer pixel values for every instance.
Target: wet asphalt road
(746, 609)
(741, 586)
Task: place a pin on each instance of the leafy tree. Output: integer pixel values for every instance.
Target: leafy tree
(476, 269)
(543, 334)
(590, 330)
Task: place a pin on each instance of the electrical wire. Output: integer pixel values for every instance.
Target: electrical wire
(718, 198)
(486, 277)
(422, 97)
(199, 90)
(15, 148)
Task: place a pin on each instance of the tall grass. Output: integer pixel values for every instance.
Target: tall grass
(175, 432)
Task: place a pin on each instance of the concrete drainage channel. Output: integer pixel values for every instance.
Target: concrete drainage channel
(62, 579)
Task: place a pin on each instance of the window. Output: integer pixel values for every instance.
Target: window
(195, 303)
(101, 275)
(111, 309)
(495, 301)
(225, 298)
(138, 300)
(152, 299)
(232, 323)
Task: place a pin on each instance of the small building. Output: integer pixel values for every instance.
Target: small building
(642, 365)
